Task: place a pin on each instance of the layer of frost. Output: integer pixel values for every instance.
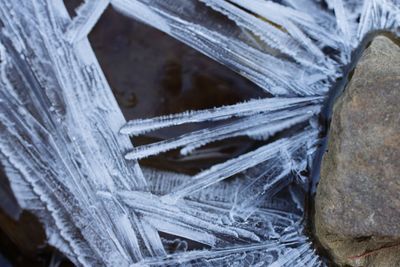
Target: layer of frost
(65, 145)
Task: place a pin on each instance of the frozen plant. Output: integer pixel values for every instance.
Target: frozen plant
(66, 150)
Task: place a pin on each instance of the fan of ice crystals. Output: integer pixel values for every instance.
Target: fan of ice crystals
(65, 145)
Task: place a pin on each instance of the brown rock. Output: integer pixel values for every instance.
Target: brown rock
(358, 198)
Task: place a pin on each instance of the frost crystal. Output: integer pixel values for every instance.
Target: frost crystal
(66, 150)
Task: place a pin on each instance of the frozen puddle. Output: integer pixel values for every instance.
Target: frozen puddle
(66, 146)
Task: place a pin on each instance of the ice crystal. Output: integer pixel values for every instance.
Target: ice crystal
(66, 150)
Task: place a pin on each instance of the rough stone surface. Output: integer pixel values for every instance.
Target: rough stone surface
(358, 198)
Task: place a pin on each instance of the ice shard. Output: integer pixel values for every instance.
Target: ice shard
(65, 146)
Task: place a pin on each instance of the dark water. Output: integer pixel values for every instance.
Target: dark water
(152, 74)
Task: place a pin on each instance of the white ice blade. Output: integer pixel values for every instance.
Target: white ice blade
(263, 125)
(251, 107)
(224, 170)
(225, 45)
(87, 16)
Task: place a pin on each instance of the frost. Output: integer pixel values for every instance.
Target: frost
(66, 150)
(82, 24)
(257, 125)
(224, 170)
(249, 108)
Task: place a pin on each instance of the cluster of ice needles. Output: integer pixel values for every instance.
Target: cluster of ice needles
(66, 149)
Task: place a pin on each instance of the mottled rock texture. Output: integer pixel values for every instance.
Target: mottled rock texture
(357, 215)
